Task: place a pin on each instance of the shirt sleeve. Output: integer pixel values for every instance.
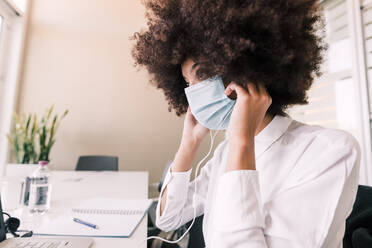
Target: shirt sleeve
(308, 211)
(178, 209)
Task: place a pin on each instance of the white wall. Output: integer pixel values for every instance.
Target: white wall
(78, 57)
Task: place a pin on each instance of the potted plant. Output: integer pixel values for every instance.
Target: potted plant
(22, 139)
(47, 131)
(31, 140)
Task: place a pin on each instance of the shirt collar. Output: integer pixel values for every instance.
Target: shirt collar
(267, 136)
(276, 127)
(272, 132)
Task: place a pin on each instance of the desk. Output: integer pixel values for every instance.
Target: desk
(70, 187)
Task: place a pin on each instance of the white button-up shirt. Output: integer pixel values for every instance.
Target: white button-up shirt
(300, 194)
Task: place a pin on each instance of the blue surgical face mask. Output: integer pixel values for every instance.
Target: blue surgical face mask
(209, 104)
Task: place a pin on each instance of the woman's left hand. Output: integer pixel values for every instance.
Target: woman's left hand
(249, 111)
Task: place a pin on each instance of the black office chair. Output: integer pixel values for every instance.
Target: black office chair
(358, 232)
(194, 239)
(97, 163)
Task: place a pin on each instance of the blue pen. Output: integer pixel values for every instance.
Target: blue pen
(85, 223)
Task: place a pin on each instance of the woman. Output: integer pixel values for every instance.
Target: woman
(273, 181)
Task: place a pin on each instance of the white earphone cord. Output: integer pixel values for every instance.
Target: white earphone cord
(193, 198)
(194, 195)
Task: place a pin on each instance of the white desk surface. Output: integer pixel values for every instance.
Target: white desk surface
(70, 187)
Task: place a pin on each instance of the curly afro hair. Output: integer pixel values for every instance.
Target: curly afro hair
(273, 42)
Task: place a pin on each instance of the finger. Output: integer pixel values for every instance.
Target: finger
(262, 89)
(264, 94)
(252, 89)
(188, 113)
(240, 91)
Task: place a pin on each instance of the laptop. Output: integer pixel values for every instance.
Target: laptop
(33, 242)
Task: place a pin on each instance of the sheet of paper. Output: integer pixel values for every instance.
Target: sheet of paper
(114, 218)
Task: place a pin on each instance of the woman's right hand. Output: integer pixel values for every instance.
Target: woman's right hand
(193, 131)
(192, 136)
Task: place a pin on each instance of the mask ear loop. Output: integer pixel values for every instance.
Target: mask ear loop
(212, 137)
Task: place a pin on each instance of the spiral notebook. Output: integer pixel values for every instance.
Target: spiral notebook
(114, 217)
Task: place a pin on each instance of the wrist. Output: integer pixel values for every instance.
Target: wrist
(185, 156)
(241, 142)
(241, 155)
(189, 145)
